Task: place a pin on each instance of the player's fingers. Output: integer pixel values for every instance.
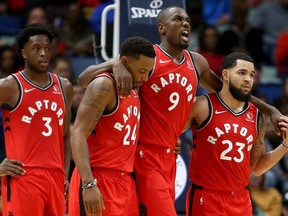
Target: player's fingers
(16, 162)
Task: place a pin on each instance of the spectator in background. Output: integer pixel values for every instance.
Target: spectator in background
(281, 103)
(78, 93)
(95, 21)
(241, 37)
(209, 48)
(281, 53)
(194, 11)
(8, 61)
(36, 15)
(271, 18)
(217, 12)
(76, 32)
(62, 66)
(268, 200)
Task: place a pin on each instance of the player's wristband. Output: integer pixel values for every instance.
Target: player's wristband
(283, 144)
(90, 184)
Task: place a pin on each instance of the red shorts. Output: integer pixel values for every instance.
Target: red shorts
(117, 188)
(155, 170)
(39, 192)
(206, 203)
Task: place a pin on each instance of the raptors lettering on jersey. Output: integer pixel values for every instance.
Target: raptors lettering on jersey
(174, 78)
(131, 111)
(230, 128)
(43, 105)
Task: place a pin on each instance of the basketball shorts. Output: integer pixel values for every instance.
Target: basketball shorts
(206, 202)
(39, 192)
(117, 188)
(155, 171)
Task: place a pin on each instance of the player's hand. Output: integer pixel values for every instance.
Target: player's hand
(12, 167)
(123, 79)
(93, 201)
(275, 118)
(177, 149)
(66, 193)
(283, 125)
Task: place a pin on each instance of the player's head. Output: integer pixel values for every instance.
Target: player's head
(238, 73)
(138, 56)
(34, 44)
(173, 25)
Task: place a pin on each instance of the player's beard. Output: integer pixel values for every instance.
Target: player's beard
(238, 94)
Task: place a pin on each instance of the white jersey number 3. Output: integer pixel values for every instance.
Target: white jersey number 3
(48, 131)
(225, 154)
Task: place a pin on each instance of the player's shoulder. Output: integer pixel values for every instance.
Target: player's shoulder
(8, 82)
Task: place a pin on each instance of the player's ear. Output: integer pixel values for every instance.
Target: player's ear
(23, 53)
(225, 74)
(124, 60)
(161, 28)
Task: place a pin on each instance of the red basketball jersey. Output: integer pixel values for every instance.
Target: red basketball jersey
(113, 142)
(166, 99)
(34, 132)
(220, 158)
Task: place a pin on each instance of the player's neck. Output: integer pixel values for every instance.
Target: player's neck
(176, 53)
(40, 79)
(231, 102)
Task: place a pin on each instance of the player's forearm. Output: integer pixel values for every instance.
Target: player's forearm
(262, 106)
(81, 157)
(90, 72)
(268, 160)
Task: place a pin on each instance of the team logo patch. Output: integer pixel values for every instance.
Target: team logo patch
(143, 209)
(249, 117)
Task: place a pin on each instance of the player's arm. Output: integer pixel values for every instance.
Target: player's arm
(208, 79)
(92, 71)
(9, 91)
(9, 95)
(270, 111)
(199, 112)
(98, 95)
(260, 160)
(68, 90)
(122, 76)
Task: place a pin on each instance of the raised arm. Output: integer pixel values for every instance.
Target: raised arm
(208, 79)
(122, 76)
(98, 95)
(270, 111)
(262, 161)
(92, 71)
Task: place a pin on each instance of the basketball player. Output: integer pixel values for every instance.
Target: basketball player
(104, 139)
(36, 117)
(166, 101)
(228, 144)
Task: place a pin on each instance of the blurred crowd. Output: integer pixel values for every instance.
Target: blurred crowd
(219, 27)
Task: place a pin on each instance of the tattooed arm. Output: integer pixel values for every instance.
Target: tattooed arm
(99, 96)
(261, 161)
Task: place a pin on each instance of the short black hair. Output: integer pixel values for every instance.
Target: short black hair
(136, 46)
(34, 29)
(231, 60)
